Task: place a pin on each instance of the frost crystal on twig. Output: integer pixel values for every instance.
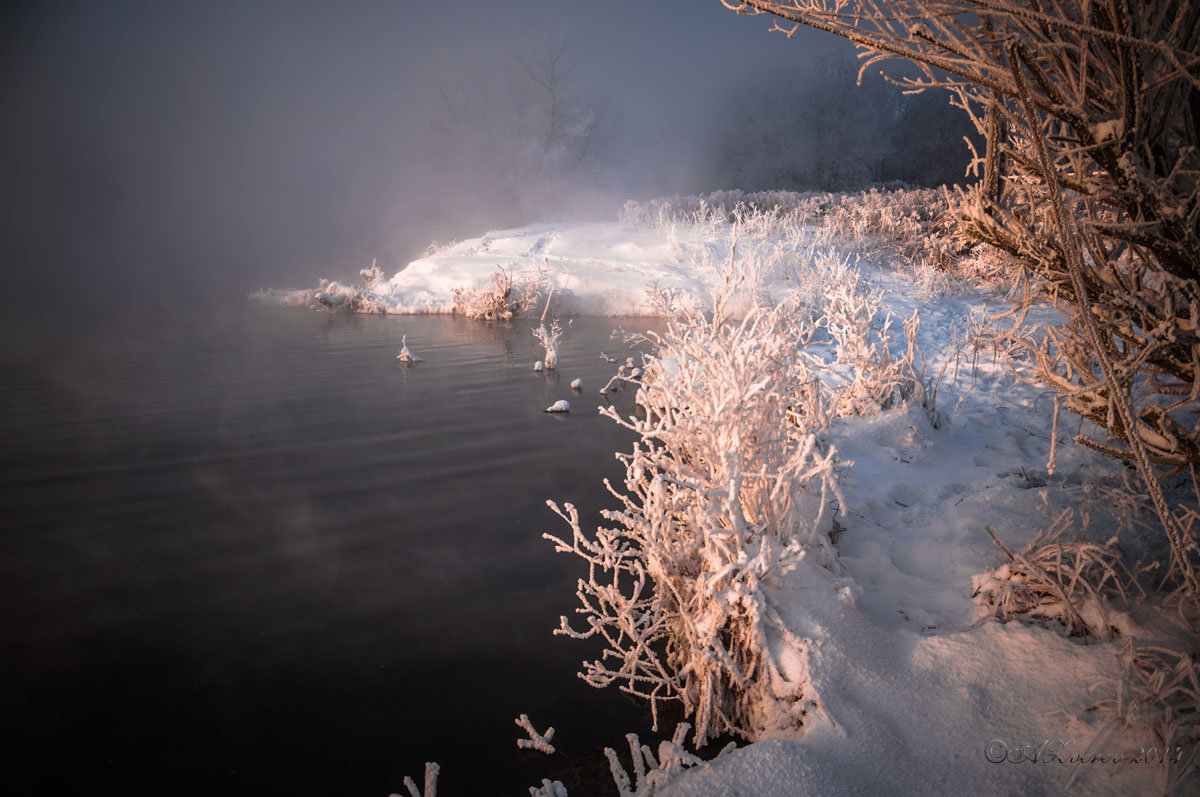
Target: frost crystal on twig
(536, 741)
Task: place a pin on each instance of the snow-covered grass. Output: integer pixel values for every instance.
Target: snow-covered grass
(1065, 580)
(804, 550)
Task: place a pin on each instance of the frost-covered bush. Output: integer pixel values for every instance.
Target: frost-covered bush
(717, 206)
(728, 486)
(1091, 185)
(548, 337)
(331, 296)
(910, 229)
(505, 298)
(437, 247)
(875, 379)
(372, 277)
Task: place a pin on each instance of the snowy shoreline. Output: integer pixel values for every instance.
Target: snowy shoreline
(596, 269)
(906, 692)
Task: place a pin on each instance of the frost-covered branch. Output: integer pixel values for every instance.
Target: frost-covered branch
(536, 741)
(651, 774)
(549, 337)
(549, 340)
(431, 776)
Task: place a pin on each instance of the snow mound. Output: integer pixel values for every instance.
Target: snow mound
(599, 269)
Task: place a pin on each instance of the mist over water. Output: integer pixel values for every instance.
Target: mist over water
(213, 148)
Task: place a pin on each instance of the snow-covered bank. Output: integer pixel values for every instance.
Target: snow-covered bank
(909, 695)
(679, 244)
(869, 671)
(912, 697)
(596, 269)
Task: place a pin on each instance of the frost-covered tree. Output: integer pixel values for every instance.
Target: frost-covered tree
(1091, 114)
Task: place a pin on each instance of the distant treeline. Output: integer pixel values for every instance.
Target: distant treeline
(819, 131)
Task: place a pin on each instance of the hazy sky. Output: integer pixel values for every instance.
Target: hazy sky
(233, 145)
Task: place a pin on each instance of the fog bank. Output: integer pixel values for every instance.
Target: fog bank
(157, 151)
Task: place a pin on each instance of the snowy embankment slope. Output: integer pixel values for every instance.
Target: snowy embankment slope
(910, 696)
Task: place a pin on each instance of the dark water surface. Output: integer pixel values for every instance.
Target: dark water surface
(252, 554)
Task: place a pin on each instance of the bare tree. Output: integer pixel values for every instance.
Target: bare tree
(566, 130)
(1091, 112)
(517, 139)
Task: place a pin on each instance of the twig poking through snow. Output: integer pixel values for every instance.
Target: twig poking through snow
(536, 741)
